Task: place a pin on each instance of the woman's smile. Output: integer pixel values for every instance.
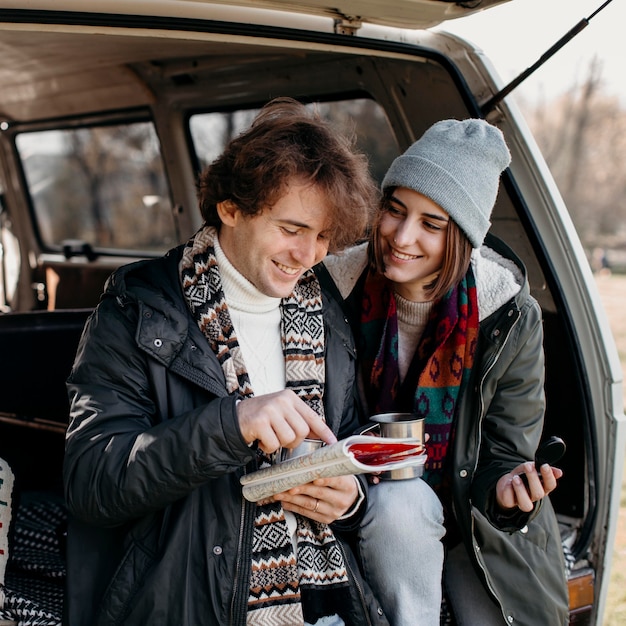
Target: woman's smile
(402, 256)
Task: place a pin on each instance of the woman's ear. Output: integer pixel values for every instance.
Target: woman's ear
(228, 212)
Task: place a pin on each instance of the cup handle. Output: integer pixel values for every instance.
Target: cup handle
(373, 427)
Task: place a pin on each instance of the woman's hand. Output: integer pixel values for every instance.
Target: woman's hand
(512, 490)
(324, 500)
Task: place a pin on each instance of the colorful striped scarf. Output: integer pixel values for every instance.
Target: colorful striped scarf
(440, 366)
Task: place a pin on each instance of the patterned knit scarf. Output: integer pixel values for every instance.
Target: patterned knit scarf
(440, 366)
(284, 590)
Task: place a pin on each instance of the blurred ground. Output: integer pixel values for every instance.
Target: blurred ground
(613, 294)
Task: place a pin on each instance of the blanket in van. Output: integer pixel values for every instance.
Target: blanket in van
(31, 593)
(6, 493)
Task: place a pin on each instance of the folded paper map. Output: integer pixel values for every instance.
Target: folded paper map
(358, 454)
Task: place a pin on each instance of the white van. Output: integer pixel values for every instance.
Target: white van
(109, 108)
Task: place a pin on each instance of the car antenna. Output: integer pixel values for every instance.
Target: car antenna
(491, 104)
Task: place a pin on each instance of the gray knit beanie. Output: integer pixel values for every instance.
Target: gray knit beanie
(457, 164)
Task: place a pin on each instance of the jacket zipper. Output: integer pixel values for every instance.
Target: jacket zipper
(494, 360)
(243, 535)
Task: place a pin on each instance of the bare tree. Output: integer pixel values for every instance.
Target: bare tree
(582, 135)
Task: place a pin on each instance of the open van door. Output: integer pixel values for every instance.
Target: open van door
(398, 13)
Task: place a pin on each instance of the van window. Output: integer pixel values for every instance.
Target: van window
(361, 117)
(101, 185)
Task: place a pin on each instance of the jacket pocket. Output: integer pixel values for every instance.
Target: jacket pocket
(126, 582)
(525, 570)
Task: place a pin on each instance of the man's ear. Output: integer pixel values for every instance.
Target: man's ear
(228, 212)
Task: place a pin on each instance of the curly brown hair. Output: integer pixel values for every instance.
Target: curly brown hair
(456, 258)
(288, 141)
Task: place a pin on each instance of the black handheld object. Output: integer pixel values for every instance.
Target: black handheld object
(550, 451)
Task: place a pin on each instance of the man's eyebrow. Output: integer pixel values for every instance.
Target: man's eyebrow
(287, 222)
(327, 232)
(294, 223)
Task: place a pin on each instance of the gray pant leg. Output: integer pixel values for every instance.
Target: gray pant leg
(401, 551)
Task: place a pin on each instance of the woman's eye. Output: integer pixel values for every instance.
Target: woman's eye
(394, 210)
(435, 226)
(432, 226)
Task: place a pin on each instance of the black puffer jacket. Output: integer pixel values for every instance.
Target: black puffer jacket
(160, 533)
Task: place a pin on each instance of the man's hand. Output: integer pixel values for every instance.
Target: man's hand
(511, 490)
(324, 500)
(280, 419)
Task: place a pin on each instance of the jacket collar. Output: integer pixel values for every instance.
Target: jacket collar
(499, 275)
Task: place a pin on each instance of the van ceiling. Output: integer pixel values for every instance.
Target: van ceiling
(51, 74)
(58, 70)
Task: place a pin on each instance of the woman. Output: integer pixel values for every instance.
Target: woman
(447, 329)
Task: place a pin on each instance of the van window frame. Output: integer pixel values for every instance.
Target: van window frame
(140, 115)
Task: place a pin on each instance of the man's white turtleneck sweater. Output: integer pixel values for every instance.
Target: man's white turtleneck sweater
(257, 322)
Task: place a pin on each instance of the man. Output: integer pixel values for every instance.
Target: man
(194, 369)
